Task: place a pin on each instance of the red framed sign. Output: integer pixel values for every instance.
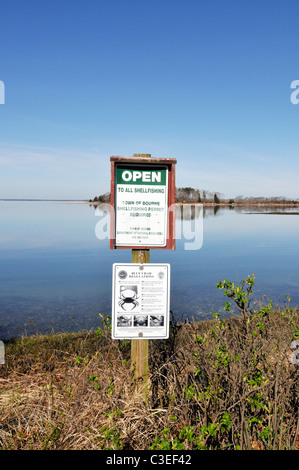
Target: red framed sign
(142, 202)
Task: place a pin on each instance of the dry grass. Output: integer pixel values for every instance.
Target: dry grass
(213, 386)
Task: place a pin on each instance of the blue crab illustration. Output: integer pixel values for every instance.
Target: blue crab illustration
(128, 299)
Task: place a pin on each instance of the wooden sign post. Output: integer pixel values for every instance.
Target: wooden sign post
(139, 347)
(142, 218)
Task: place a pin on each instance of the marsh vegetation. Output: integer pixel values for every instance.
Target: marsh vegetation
(219, 384)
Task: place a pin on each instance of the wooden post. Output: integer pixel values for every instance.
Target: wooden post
(139, 347)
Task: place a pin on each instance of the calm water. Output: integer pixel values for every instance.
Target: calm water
(56, 274)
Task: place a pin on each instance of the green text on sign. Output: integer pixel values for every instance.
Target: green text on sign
(141, 176)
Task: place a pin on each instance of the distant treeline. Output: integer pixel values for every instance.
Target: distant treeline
(191, 195)
(103, 198)
(195, 195)
(205, 196)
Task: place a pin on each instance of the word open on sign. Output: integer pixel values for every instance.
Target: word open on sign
(144, 176)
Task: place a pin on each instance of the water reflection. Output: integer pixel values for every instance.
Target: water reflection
(56, 273)
(194, 211)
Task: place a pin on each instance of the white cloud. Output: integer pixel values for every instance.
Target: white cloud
(26, 156)
(32, 172)
(235, 171)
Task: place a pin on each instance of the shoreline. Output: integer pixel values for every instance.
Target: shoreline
(212, 204)
(179, 203)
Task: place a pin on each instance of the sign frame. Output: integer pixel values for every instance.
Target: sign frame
(147, 279)
(146, 162)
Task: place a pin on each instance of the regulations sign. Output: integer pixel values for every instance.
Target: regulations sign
(140, 301)
(141, 205)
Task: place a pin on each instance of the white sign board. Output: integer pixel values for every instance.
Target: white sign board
(141, 205)
(140, 301)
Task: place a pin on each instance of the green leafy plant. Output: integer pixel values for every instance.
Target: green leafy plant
(94, 379)
(109, 438)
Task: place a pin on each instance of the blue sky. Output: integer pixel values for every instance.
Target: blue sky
(205, 82)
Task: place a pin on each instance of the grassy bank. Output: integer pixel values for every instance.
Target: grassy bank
(219, 384)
